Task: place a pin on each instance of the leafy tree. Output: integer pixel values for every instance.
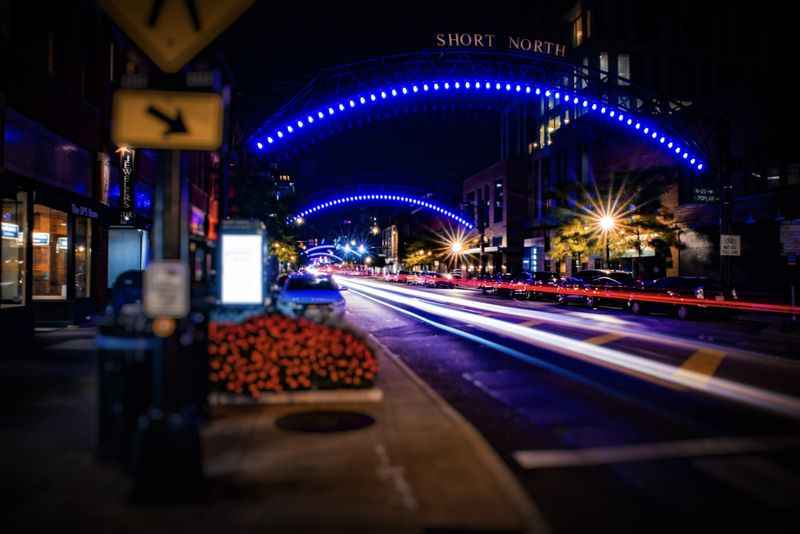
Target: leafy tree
(640, 219)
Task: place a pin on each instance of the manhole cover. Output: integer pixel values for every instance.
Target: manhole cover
(324, 421)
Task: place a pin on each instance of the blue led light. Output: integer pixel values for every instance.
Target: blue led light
(692, 161)
(677, 150)
(699, 166)
(509, 85)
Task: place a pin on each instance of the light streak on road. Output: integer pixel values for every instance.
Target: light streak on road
(607, 357)
(572, 319)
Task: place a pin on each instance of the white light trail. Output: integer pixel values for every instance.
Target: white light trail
(607, 357)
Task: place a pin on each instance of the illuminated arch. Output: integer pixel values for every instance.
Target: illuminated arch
(647, 129)
(407, 200)
(325, 255)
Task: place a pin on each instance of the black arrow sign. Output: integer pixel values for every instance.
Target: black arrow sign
(176, 125)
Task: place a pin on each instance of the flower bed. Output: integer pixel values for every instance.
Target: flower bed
(271, 353)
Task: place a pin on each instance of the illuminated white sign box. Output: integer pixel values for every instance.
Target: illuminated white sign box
(242, 269)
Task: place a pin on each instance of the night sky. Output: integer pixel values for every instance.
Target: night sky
(274, 51)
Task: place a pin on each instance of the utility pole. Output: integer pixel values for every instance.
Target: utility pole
(483, 216)
(725, 196)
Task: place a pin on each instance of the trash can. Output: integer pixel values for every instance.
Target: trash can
(125, 347)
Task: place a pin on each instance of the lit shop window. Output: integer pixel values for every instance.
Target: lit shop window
(577, 32)
(50, 249)
(12, 251)
(624, 75)
(603, 66)
(83, 257)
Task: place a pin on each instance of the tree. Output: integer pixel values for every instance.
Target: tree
(639, 220)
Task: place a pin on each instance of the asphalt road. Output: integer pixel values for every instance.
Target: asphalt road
(612, 422)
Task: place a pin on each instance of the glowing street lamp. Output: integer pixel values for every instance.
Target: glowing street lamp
(375, 230)
(607, 224)
(361, 248)
(456, 247)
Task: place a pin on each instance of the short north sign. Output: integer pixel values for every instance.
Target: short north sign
(492, 40)
(167, 119)
(171, 32)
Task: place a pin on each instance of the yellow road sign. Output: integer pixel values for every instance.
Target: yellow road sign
(171, 32)
(167, 119)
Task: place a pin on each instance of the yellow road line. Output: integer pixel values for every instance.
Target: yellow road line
(702, 364)
(603, 339)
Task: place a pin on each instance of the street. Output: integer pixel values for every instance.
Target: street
(656, 455)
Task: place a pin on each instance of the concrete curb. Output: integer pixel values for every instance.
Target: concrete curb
(299, 397)
(522, 502)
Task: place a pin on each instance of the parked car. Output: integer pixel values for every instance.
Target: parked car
(312, 297)
(432, 279)
(690, 292)
(588, 287)
(535, 285)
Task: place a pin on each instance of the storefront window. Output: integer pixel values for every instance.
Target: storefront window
(83, 257)
(50, 249)
(12, 250)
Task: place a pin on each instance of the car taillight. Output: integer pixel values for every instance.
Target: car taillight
(699, 293)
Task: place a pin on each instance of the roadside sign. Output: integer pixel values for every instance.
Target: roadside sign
(730, 245)
(790, 238)
(166, 289)
(167, 119)
(171, 32)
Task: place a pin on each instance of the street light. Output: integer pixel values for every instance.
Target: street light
(456, 247)
(607, 224)
(361, 248)
(376, 230)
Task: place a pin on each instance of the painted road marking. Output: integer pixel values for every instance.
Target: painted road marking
(701, 365)
(545, 459)
(603, 339)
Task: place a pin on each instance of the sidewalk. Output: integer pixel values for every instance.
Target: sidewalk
(419, 468)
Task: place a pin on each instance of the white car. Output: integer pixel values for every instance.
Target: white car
(312, 297)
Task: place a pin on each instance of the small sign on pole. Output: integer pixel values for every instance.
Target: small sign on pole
(730, 245)
(166, 289)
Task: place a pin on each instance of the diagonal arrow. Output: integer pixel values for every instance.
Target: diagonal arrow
(175, 125)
